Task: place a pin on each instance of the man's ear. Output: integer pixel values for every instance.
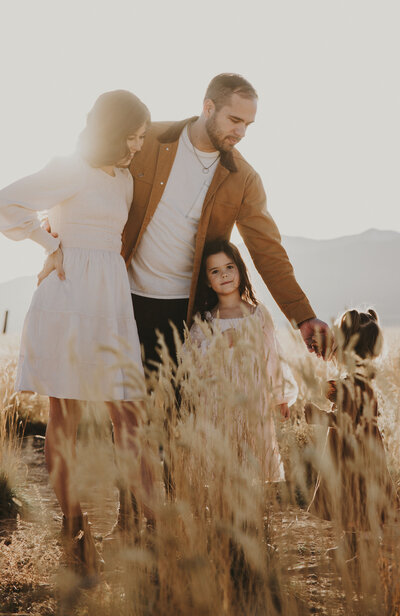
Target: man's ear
(208, 108)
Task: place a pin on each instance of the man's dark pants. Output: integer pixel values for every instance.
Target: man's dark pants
(158, 314)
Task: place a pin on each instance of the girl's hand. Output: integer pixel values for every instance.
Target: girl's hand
(229, 334)
(284, 410)
(53, 262)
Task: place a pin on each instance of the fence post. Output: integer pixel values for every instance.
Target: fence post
(5, 322)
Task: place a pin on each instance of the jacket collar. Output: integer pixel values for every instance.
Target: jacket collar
(174, 132)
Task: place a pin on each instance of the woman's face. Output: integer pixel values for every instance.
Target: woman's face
(134, 143)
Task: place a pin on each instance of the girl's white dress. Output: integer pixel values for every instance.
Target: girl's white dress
(277, 378)
(80, 338)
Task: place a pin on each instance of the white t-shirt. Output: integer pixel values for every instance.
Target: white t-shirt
(163, 263)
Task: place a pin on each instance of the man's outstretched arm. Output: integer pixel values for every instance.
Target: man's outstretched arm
(263, 241)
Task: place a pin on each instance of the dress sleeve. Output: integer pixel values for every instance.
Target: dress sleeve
(197, 334)
(60, 180)
(283, 385)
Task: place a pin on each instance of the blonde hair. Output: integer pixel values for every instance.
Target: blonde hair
(361, 331)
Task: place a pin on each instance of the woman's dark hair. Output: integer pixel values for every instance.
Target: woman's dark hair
(361, 329)
(115, 116)
(206, 298)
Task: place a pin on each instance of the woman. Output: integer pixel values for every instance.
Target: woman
(82, 310)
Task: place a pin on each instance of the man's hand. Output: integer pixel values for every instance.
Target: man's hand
(53, 262)
(317, 336)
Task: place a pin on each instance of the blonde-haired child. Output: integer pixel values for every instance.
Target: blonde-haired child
(354, 487)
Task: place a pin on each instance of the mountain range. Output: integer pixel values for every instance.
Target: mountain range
(354, 270)
(341, 273)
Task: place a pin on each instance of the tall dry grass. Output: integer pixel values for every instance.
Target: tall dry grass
(227, 542)
(9, 443)
(16, 412)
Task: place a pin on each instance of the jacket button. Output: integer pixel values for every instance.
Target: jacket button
(162, 183)
(167, 149)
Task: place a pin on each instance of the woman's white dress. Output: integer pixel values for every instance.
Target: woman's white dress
(80, 338)
(275, 378)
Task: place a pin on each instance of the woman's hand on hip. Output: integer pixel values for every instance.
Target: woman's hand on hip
(46, 226)
(53, 262)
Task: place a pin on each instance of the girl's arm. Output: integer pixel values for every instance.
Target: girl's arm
(19, 202)
(353, 397)
(315, 415)
(198, 335)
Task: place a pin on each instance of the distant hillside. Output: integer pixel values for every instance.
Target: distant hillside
(343, 272)
(335, 274)
(15, 297)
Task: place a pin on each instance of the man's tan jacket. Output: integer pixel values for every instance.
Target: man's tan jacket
(236, 195)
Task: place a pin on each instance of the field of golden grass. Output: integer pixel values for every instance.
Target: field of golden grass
(228, 543)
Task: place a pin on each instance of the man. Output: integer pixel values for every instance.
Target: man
(192, 186)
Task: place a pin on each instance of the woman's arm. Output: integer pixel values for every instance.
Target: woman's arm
(21, 201)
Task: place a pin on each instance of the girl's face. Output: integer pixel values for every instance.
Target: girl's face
(134, 143)
(222, 274)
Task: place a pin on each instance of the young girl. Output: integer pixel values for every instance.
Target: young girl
(226, 303)
(354, 487)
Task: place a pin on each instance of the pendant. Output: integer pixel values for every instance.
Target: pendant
(206, 169)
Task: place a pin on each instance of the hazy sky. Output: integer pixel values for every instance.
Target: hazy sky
(326, 139)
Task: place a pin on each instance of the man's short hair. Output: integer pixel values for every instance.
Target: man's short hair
(222, 87)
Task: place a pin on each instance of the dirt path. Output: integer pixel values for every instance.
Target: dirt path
(102, 516)
(30, 551)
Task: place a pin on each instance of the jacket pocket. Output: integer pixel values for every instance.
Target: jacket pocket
(225, 208)
(223, 216)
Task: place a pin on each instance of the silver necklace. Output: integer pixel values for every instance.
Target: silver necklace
(204, 168)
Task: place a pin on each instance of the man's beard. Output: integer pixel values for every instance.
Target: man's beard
(214, 135)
